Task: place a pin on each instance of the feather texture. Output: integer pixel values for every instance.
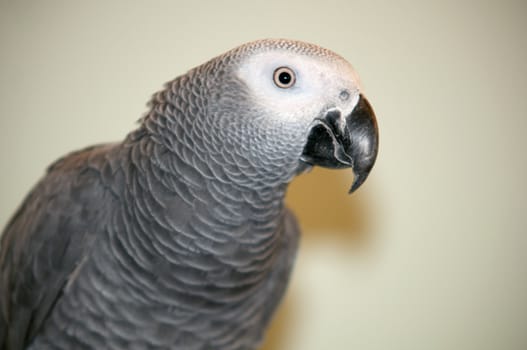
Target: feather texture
(177, 237)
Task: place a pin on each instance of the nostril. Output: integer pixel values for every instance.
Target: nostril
(344, 95)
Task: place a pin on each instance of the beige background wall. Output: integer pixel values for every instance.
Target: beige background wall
(430, 254)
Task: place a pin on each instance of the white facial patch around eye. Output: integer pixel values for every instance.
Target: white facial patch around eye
(318, 84)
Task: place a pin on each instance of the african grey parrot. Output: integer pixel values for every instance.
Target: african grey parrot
(178, 237)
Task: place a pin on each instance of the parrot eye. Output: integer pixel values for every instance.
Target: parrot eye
(284, 77)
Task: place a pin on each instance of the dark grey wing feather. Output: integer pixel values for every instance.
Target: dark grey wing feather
(46, 240)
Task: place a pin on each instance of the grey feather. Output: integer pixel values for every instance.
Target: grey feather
(177, 237)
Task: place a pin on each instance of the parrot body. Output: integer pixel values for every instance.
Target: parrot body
(178, 237)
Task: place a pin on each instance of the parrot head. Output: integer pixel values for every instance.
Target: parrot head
(314, 97)
(275, 107)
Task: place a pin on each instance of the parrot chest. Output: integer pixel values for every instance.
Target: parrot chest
(197, 301)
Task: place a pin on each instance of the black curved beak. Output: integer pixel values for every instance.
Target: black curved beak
(337, 142)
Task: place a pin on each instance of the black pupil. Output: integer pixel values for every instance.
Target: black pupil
(284, 78)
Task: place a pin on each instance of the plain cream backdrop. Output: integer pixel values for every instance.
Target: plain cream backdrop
(430, 254)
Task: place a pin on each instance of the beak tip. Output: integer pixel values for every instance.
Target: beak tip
(357, 182)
